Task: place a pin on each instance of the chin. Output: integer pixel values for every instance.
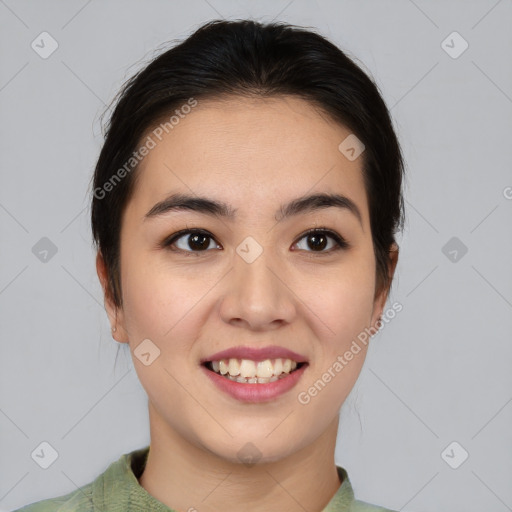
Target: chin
(256, 449)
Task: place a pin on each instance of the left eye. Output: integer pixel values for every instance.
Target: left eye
(200, 241)
(318, 240)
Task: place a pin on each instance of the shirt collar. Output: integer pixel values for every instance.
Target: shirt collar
(121, 480)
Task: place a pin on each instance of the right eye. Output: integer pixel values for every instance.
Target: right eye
(191, 240)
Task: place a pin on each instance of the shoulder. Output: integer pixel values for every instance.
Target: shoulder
(113, 486)
(344, 499)
(79, 500)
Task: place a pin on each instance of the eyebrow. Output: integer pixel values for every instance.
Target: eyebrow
(206, 206)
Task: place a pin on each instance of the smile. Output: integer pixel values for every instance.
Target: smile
(247, 371)
(254, 381)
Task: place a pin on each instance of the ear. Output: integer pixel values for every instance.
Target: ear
(115, 314)
(382, 297)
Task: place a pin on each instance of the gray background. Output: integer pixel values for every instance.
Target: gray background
(439, 372)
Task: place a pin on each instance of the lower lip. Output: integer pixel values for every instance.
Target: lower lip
(255, 392)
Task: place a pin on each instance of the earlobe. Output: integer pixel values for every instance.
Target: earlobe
(393, 259)
(118, 332)
(380, 300)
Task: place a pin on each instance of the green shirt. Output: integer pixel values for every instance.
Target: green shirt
(118, 490)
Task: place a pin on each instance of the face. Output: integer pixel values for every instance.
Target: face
(254, 279)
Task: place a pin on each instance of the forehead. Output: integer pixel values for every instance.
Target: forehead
(249, 152)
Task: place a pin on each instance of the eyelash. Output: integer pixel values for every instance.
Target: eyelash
(340, 242)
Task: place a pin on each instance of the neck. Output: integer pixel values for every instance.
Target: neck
(184, 476)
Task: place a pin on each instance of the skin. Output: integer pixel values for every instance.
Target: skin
(255, 155)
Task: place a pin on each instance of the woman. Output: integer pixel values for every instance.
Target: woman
(245, 205)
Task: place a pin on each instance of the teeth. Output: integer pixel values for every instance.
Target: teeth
(223, 367)
(234, 367)
(252, 380)
(265, 369)
(246, 370)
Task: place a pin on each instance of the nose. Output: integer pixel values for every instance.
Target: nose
(257, 296)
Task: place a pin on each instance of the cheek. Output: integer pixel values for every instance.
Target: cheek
(342, 300)
(341, 311)
(164, 304)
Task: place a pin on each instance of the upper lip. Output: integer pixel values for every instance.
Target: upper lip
(256, 354)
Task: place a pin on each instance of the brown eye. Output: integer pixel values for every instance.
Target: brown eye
(190, 241)
(193, 241)
(318, 240)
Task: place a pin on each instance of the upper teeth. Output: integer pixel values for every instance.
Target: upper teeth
(247, 368)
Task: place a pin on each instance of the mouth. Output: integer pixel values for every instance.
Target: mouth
(249, 380)
(248, 371)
